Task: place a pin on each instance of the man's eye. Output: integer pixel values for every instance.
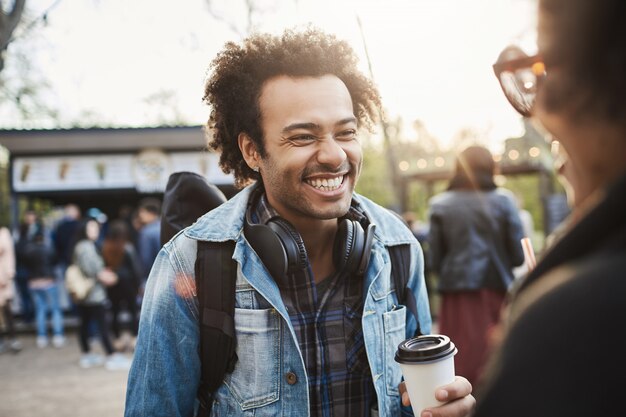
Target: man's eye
(303, 138)
(346, 134)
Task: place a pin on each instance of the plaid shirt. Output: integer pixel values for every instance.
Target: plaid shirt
(327, 320)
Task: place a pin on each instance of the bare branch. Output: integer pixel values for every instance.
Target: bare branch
(253, 13)
(223, 19)
(9, 21)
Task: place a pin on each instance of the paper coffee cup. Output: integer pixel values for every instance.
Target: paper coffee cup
(427, 363)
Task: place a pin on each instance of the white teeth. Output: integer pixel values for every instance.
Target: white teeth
(326, 184)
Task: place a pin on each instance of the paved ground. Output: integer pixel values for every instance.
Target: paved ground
(48, 382)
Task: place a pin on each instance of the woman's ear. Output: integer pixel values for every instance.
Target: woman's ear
(248, 150)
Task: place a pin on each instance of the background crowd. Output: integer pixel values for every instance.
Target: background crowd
(116, 253)
(467, 274)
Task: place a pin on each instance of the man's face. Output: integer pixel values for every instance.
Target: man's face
(145, 216)
(313, 158)
(30, 217)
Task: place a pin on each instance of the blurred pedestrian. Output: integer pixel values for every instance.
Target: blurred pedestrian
(528, 226)
(128, 214)
(475, 233)
(25, 235)
(39, 260)
(63, 239)
(119, 255)
(92, 309)
(564, 341)
(64, 233)
(149, 235)
(8, 339)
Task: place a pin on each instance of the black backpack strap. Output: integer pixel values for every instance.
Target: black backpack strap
(216, 274)
(400, 269)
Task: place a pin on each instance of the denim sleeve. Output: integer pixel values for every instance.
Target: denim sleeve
(417, 284)
(165, 373)
(406, 411)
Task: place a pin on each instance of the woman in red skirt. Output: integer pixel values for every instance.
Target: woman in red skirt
(475, 234)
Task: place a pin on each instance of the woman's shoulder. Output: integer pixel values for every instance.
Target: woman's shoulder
(84, 243)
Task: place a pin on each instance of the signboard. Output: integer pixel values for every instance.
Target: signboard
(146, 171)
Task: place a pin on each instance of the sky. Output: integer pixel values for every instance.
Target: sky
(431, 59)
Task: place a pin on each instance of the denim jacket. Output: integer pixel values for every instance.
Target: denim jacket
(465, 228)
(165, 374)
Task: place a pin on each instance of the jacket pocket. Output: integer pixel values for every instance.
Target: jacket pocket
(255, 381)
(394, 323)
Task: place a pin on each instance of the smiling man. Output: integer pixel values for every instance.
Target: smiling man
(317, 319)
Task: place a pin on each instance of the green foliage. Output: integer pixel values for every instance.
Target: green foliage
(375, 182)
(418, 195)
(526, 188)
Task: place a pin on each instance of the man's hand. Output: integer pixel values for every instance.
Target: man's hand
(457, 396)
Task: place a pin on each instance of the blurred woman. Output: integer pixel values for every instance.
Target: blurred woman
(120, 256)
(562, 352)
(7, 273)
(475, 233)
(92, 309)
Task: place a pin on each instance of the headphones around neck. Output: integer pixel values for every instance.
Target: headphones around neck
(280, 246)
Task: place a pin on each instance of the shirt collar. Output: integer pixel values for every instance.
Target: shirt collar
(262, 211)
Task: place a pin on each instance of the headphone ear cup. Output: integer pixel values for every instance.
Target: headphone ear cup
(343, 244)
(292, 243)
(349, 245)
(368, 241)
(353, 246)
(268, 246)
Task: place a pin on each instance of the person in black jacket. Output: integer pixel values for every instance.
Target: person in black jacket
(39, 257)
(563, 352)
(25, 235)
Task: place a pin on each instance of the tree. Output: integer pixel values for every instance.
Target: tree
(253, 11)
(8, 22)
(375, 181)
(24, 90)
(162, 108)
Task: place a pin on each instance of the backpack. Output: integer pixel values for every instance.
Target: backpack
(187, 197)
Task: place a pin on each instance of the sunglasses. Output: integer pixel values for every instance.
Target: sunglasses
(520, 76)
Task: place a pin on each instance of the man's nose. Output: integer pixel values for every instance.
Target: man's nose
(331, 152)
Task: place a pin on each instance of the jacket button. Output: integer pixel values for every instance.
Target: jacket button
(291, 378)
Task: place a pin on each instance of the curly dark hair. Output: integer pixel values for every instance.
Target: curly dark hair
(589, 48)
(239, 72)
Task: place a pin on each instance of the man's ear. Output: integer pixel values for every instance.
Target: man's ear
(248, 150)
